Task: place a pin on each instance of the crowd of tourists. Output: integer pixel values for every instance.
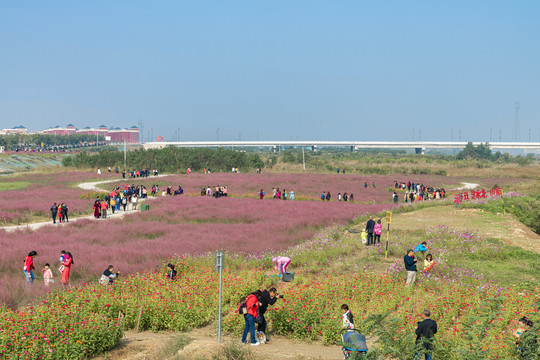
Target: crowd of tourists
(215, 191)
(327, 196)
(119, 199)
(417, 192)
(61, 211)
(141, 173)
(278, 194)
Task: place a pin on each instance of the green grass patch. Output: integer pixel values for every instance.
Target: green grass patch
(14, 185)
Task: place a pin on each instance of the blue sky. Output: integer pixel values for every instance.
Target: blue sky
(336, 70)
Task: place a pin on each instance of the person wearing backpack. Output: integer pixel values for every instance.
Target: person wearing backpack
(252, 306)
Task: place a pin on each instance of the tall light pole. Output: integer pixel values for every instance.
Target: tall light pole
(125, 156)
(516, 121)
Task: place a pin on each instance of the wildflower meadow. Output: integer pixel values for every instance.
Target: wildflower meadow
(475, 312)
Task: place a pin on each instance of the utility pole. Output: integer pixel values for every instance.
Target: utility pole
(141, 129)
(303, 158)
(516, 122)
(459, 134)
(413, 134)
(125, 156)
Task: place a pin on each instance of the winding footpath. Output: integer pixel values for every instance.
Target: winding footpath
(87, 186)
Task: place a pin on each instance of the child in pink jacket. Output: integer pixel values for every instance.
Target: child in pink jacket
(47, 275)
(377, 231)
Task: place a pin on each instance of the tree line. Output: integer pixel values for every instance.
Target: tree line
(483, 152)
(170, 159)
(45, 140)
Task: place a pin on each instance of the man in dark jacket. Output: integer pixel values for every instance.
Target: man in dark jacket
(54, 212)
(424, 334)
(268, 297)
(410, 266)
(370, 226)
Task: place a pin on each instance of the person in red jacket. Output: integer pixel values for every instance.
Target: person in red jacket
(252, 303)
(29, 266)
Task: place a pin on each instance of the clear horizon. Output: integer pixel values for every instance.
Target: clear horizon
(284, 71)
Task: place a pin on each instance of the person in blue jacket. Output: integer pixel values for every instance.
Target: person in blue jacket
(422, 248)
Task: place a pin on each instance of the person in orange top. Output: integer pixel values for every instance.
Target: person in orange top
(60, 218)
(29, 266)
(68, 261)
(104, 206)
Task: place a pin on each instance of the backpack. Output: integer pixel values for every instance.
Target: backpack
(124, 201)
(242, 309)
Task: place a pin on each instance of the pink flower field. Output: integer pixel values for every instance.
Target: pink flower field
(175, 225)
(34, 201)
(304, 185)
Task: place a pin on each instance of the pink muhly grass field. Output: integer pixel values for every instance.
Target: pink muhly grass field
(23, 205)
(304, 185)
(174, 225)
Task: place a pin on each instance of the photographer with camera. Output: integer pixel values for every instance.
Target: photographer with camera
(268, 297)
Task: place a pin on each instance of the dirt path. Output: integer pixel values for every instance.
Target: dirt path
(499, 226)
(92, 186)
(467, 186)
(203, 345)
(89, 186)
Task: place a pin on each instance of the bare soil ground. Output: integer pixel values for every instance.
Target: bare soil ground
(203, 345)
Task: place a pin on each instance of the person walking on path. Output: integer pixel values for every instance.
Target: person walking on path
(68, 261)
(104, 207)
(252, 304)
(97, 209)
(410, 266)
(425, 332)
(261, 194)
(370, 226)
(64, 210)
(134, 201)
(54, 212)
(60, 216)
(28, 267)
(377, 230)
(268, 297)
